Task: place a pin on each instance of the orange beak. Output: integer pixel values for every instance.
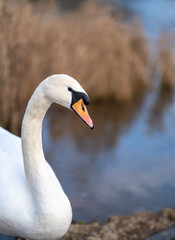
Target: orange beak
(81, 110)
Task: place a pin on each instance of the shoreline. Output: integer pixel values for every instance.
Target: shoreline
(137, 226)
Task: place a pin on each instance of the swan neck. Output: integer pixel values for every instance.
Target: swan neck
(33, 156)
(51, 206)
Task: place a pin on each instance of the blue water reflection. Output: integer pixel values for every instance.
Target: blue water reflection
(157, 15)
(125, 165)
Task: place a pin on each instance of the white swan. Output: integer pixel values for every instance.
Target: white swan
(33, 204)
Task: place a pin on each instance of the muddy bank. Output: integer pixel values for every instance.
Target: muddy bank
(138, 226)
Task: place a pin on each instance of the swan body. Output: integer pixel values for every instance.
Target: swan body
(33, 204)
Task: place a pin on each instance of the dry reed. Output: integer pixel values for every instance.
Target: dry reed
(108, 57)
(166, 61)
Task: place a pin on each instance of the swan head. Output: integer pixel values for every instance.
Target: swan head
(66, 91)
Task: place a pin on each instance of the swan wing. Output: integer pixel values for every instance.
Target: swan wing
(14, 193)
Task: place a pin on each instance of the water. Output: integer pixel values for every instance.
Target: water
(156, 16)
(126, 164)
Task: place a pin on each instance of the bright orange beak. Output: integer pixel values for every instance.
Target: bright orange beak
(81, 110)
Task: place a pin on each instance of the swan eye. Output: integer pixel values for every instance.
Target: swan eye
(70, 89)
(76, 96)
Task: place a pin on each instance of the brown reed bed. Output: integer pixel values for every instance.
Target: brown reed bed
(110, 58)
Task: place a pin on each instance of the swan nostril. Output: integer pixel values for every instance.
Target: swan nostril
(82, 106)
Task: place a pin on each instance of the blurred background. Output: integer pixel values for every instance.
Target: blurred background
(122, 52)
